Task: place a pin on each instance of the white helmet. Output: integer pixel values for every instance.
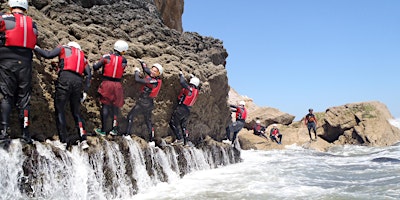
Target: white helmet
(121, 46)
(258, 121)
(242, 103)
(274, 125)
(74, 44)
(18, 3)
(195, 81)
(159, 67)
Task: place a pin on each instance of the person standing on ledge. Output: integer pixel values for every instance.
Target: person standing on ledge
(18, 35)
(311, 122)
(110, 89)
(151, 85)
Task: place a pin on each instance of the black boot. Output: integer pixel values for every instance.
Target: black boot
(4, 135)
(26, 136)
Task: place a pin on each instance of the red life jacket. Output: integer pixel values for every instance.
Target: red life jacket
(74, 61)
(22, 35)
(188, 97)
(153, 89)
(114, 68)
(241, 113)
(275, 132)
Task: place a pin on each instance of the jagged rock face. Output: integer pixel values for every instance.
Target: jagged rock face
(171, 12)
(96, 25)
(359, 123)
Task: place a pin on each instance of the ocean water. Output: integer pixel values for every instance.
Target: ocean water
(344, 172)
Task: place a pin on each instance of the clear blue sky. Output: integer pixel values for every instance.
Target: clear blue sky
(297, 54)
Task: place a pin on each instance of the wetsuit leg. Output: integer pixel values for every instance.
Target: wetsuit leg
(131, 115)
(23, 98)
(75, 109)
(115, 113)
(62, 95)
(309, 129)
(174, 123)
(147, 119)
(184, 119)
(5, 116)
(105, 109)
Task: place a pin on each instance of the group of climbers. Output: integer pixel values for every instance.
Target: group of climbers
(309, 120)
(18, 35)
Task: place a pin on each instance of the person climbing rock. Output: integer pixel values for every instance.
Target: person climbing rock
(236, 126)
(72, 66)
(18, 35)
(110, 89)
(151, 85)
(186, 98)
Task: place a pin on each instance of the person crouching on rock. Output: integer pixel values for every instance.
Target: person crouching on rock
(186, 98)
(259, 130)
(72, 67)
(151, 85)
(236, 126)
(110, 89)
(275, 134)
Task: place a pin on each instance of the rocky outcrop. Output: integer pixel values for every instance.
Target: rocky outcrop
(359, 123)
(96, 25)
(365, 123)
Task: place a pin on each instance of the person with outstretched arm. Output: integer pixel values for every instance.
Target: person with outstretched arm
(236, 126)
(151, 85)
(72, 67)
(186, 99)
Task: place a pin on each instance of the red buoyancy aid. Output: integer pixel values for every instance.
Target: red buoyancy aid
(74, 62)
(241, 113)
(149, 86)
(310, 118)
(114, 68)
(275, 132)
(189, 96)
(22, 35)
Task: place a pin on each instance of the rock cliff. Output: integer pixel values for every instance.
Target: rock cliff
(96, 25)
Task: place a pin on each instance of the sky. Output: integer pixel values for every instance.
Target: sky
(299, 54)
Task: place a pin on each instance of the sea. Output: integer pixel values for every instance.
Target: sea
(343, 172)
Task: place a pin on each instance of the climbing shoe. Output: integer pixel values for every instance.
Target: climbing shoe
(114, 132)
(99, 132)
(84, 145)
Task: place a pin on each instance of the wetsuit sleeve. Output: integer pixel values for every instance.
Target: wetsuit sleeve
(88, 73)
(49, 54)
(99, 64)
(138, 79)
(183, 82)
(145, 68)
(35, 30)
(124, 62)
